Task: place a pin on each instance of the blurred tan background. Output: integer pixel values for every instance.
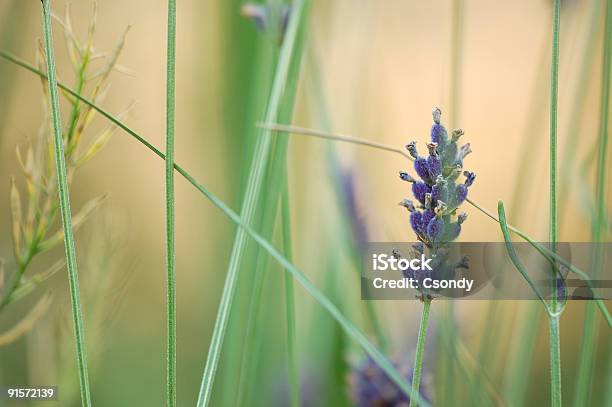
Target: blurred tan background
(384, 65)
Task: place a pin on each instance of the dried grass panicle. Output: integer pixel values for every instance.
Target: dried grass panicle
(33, 199)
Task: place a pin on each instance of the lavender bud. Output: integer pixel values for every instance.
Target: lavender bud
(434, 228)
(407, 203)
(432, 147)
(427, 216)
(419, 189)
(456, 134)
(469, 178)
(412, 150)
(462, 217)
(438, 134)
(463, 152)
(433, 166)
(416, 222)
(406, 177)
(421, 168)
(461, 193)
(428, 200)
(436, 192)
(436, 113)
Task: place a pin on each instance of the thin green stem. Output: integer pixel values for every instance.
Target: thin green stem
(585, 365)
(275, 179)
(420, 349)
(294, 377)
(555, 359)
(64, 200)
(553, 320)
(554, 91)
(171, 278)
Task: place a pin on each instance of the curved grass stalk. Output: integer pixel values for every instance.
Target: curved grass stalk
(64, 202)
(514, 257)
(169, 160)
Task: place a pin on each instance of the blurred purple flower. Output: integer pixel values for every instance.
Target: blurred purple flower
(369, 386)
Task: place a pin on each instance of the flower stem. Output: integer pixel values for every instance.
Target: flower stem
(553, 320)
(64, 201)
(170, 272)
(555, 360)
(418, 359)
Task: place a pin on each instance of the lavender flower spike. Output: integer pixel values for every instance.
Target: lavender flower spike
(438, 190)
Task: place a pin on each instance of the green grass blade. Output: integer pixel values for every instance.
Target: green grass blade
(260, 161)
(294, 375)
(585, 364)
(273, 190)
(553, 320)
(170, 272)
(64, 200)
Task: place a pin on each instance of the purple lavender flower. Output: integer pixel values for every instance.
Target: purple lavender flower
(438, 191)
(370, 386)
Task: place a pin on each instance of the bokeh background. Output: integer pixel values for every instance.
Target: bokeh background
(375, 69)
